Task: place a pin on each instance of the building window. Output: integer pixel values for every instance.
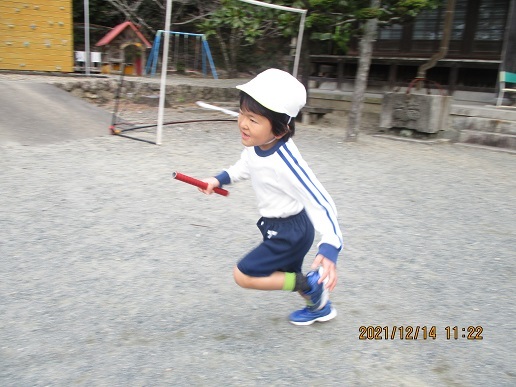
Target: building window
(478, 30)
(491, 20)
(428, 25)
(391, 32)
(459, 20)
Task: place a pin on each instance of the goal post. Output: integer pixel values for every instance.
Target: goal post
(163, 82)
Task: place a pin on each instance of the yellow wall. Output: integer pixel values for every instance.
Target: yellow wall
(36, 35)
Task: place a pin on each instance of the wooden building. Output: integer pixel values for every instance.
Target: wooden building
(481, 45)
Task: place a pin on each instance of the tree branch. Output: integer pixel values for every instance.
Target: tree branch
(130, 14)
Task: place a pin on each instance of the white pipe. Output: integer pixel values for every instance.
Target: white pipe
(164, 65)
(205, 105)
(282, 7)
(299, 44)
(87, 36)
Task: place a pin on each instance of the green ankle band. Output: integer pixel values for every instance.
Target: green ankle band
(290, 282)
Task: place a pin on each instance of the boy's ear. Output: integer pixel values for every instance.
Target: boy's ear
(287, 130)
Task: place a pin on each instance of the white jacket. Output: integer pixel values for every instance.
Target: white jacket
(284, 184)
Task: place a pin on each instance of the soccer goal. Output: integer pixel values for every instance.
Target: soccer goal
(166, 44)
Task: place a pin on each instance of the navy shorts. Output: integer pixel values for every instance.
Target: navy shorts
(285, 244)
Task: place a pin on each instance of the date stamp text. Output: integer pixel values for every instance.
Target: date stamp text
(419, 332)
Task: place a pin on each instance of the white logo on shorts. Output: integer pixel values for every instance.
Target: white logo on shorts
(271, 233)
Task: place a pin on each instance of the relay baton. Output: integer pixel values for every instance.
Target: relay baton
(198, 183)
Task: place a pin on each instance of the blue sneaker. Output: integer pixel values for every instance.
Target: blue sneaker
(318, 293)
(308, 315)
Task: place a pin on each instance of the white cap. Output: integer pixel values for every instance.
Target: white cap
(277, 90)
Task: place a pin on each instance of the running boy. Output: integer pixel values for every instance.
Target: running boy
(291, 200)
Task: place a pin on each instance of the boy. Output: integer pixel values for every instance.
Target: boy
(292, 202)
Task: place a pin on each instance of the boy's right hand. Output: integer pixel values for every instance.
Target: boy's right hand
(212, 184)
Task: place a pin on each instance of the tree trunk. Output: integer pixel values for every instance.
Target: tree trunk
(234, 46)
(364, 63)
(224, 50)
(445, 42)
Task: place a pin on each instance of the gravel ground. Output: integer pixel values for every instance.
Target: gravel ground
(114, 274)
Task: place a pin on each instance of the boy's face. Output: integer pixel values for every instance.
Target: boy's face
(256, 130)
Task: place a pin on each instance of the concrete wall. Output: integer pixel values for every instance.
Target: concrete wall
(36, 35)
(467, 122)
(340, 103)
(102, 90)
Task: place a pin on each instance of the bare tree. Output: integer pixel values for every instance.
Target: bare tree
(130, 11)
(364, 63)
(150, 14)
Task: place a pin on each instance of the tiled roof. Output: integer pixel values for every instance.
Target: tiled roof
(118, 30)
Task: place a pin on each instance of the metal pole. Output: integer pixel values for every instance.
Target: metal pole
(87, 36)
(164, 66)
(299, 44)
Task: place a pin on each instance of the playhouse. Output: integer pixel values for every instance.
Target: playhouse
(124, 44)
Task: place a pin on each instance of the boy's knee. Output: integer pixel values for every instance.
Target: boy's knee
(241, 279)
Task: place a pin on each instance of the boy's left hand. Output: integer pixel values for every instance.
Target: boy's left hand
(329, 271)
(212, 184)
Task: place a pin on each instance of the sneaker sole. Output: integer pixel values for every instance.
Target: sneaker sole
(328, 317)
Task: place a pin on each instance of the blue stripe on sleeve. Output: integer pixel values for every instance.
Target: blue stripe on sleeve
(306, 174)
(291, 167)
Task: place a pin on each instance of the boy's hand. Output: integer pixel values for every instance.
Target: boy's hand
(329, 271)
(212, 183)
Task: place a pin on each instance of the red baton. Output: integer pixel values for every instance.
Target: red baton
(198, 183)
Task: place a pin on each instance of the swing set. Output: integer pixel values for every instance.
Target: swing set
(191, 56)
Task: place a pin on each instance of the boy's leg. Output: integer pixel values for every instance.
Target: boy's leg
(274, 281)
(278, 280)
(314, 294)
(287, 281)
(275, 264)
